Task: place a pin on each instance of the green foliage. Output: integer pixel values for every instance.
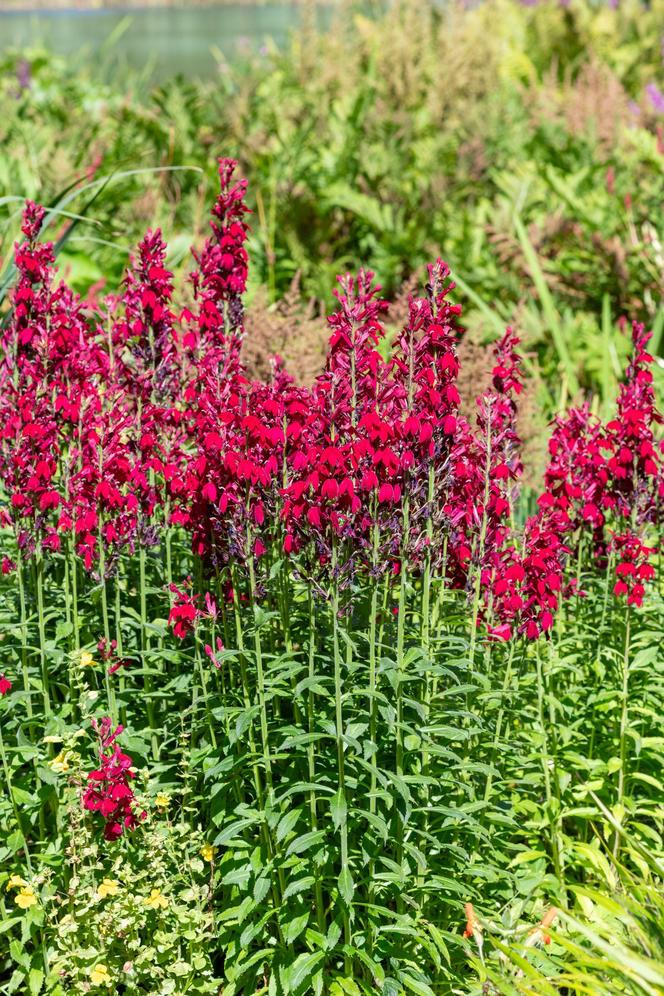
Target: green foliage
(513, 777)
(612, 942)
(515, 141)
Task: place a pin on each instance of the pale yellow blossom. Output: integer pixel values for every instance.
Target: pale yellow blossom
(162, 800)
(16, 882)
(26, 898)
(155, 900)
(87, 660)
(99, 976)
(109, 887)
(59, 764)
(207, 852)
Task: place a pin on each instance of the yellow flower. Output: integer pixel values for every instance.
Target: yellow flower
(155, 900)
(87, 660)
(163, 800)
(16, 882)
(26, 898)
(207, 852)
(109, 887)
(99, 976)
(59, 764)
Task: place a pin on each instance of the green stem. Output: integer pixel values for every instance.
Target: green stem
(437, 613)
(480, 550)
(110, 692)
(339, 730)
(10, 792)
(499, 721)
(401, 630)
(39, 571)
(265, 829)
(262, 698)
(546, 756)
(24, 635)
(426, 622)
(120, 647)
(246, 696)
(624, 722)
(311, 754)
(71, 554)
(373, 711)
(206, 695)
(145, 653)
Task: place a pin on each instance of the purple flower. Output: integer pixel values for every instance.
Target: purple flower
(656, 97)
(23, 74)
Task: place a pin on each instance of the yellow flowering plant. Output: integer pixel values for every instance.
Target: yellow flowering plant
(137, 916)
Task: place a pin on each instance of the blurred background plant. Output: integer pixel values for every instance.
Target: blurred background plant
(524, 143)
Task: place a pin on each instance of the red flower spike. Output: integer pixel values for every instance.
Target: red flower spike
(109, 789)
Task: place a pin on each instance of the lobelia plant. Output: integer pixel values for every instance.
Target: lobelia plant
(365, 641)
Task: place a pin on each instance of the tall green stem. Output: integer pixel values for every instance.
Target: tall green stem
(624, 723)
(480, 547)
(145, 652)
(499, 721)
(426, 619)
(339, 729)
(401, 663)
(110, 692)
(260, 681)
(246, 695)
(546, 758)
(262, 701)
(311, 756)
(373, 705)
(24, 635)
(39, 571)
(73, 574)
(120, 646)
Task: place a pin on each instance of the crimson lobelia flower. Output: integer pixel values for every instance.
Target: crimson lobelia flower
(486, 463)
(109, 789)
(216, 331)
(425, 408)
(636, 472)
(342, 462)
(144, 353)
(184, 612)
(634, 568)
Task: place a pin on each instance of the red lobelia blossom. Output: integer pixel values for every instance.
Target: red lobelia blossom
(425, 408)
(184, 612)
(636, 481)
(109, 789)
(486, 465)
(220, 278)
(143, 342)
(634, 568)
(50, 372)
(341, 462)
(31, 296)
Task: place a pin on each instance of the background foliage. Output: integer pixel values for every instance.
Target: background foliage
(521, 143)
